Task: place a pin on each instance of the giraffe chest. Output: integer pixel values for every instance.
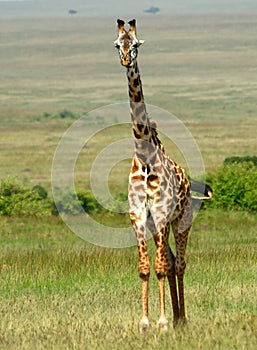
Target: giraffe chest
(152, 182)
(162, 187)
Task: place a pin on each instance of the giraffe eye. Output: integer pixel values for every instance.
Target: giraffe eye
(117, 46)
(133, 53)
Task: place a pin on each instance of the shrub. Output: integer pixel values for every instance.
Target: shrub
(17, 198)
(67, 204)
(236, 159)
(64, 114)
(74, 204)
(67, 114)
(89, 203)
(41, 191)
(234, 186)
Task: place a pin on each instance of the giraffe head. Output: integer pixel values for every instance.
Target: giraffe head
(127, 43)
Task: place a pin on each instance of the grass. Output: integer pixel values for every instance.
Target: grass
(59, 292)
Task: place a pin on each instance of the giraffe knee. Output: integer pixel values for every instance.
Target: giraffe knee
(144, 272)
(144, 267)
(143, 264)
(161, 267)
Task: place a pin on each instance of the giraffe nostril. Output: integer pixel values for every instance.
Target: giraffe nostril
(124, 62)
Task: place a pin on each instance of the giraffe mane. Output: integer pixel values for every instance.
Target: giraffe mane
(157, 141)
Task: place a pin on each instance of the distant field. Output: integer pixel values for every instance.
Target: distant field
(200, 68)
(54, 8)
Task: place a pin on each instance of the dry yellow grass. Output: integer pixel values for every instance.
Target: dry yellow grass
(58, 292)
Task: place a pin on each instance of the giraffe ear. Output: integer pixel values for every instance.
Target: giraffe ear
(132, 23)
(121, 24)
(138, 43)
(132, 28)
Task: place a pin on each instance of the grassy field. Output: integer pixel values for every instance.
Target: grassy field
(58, 291)
(200, 68)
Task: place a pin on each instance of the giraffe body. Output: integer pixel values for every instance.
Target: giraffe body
(159, 193)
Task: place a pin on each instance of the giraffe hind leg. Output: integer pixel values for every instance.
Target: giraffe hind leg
(173, 285)
(170, 272)
(180, 266)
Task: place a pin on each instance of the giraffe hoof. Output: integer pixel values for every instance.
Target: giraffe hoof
(163, 324)
(144, 324)
(180, 322)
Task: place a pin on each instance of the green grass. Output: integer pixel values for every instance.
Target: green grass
(59, 292)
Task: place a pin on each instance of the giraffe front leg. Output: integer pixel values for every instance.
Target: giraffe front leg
(161, 269)
(163, 322)
(144, 274)
(138, 217)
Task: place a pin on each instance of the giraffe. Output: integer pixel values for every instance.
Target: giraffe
(159, 193)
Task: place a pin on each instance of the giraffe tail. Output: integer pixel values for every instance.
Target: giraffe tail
(202, 188)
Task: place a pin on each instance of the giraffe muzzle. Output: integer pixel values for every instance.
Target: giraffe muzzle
(125, 61)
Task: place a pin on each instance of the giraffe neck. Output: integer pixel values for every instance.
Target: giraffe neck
(145, 133)
(139, 117)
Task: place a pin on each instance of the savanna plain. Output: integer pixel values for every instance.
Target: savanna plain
(58, 291)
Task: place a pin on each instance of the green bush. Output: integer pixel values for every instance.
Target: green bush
(89, 203)
(41, 191)
(67, 204)
(74, 204)
(67, 114)
(64, 114)
(236, 159)
(16, 198)
(234, 186)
